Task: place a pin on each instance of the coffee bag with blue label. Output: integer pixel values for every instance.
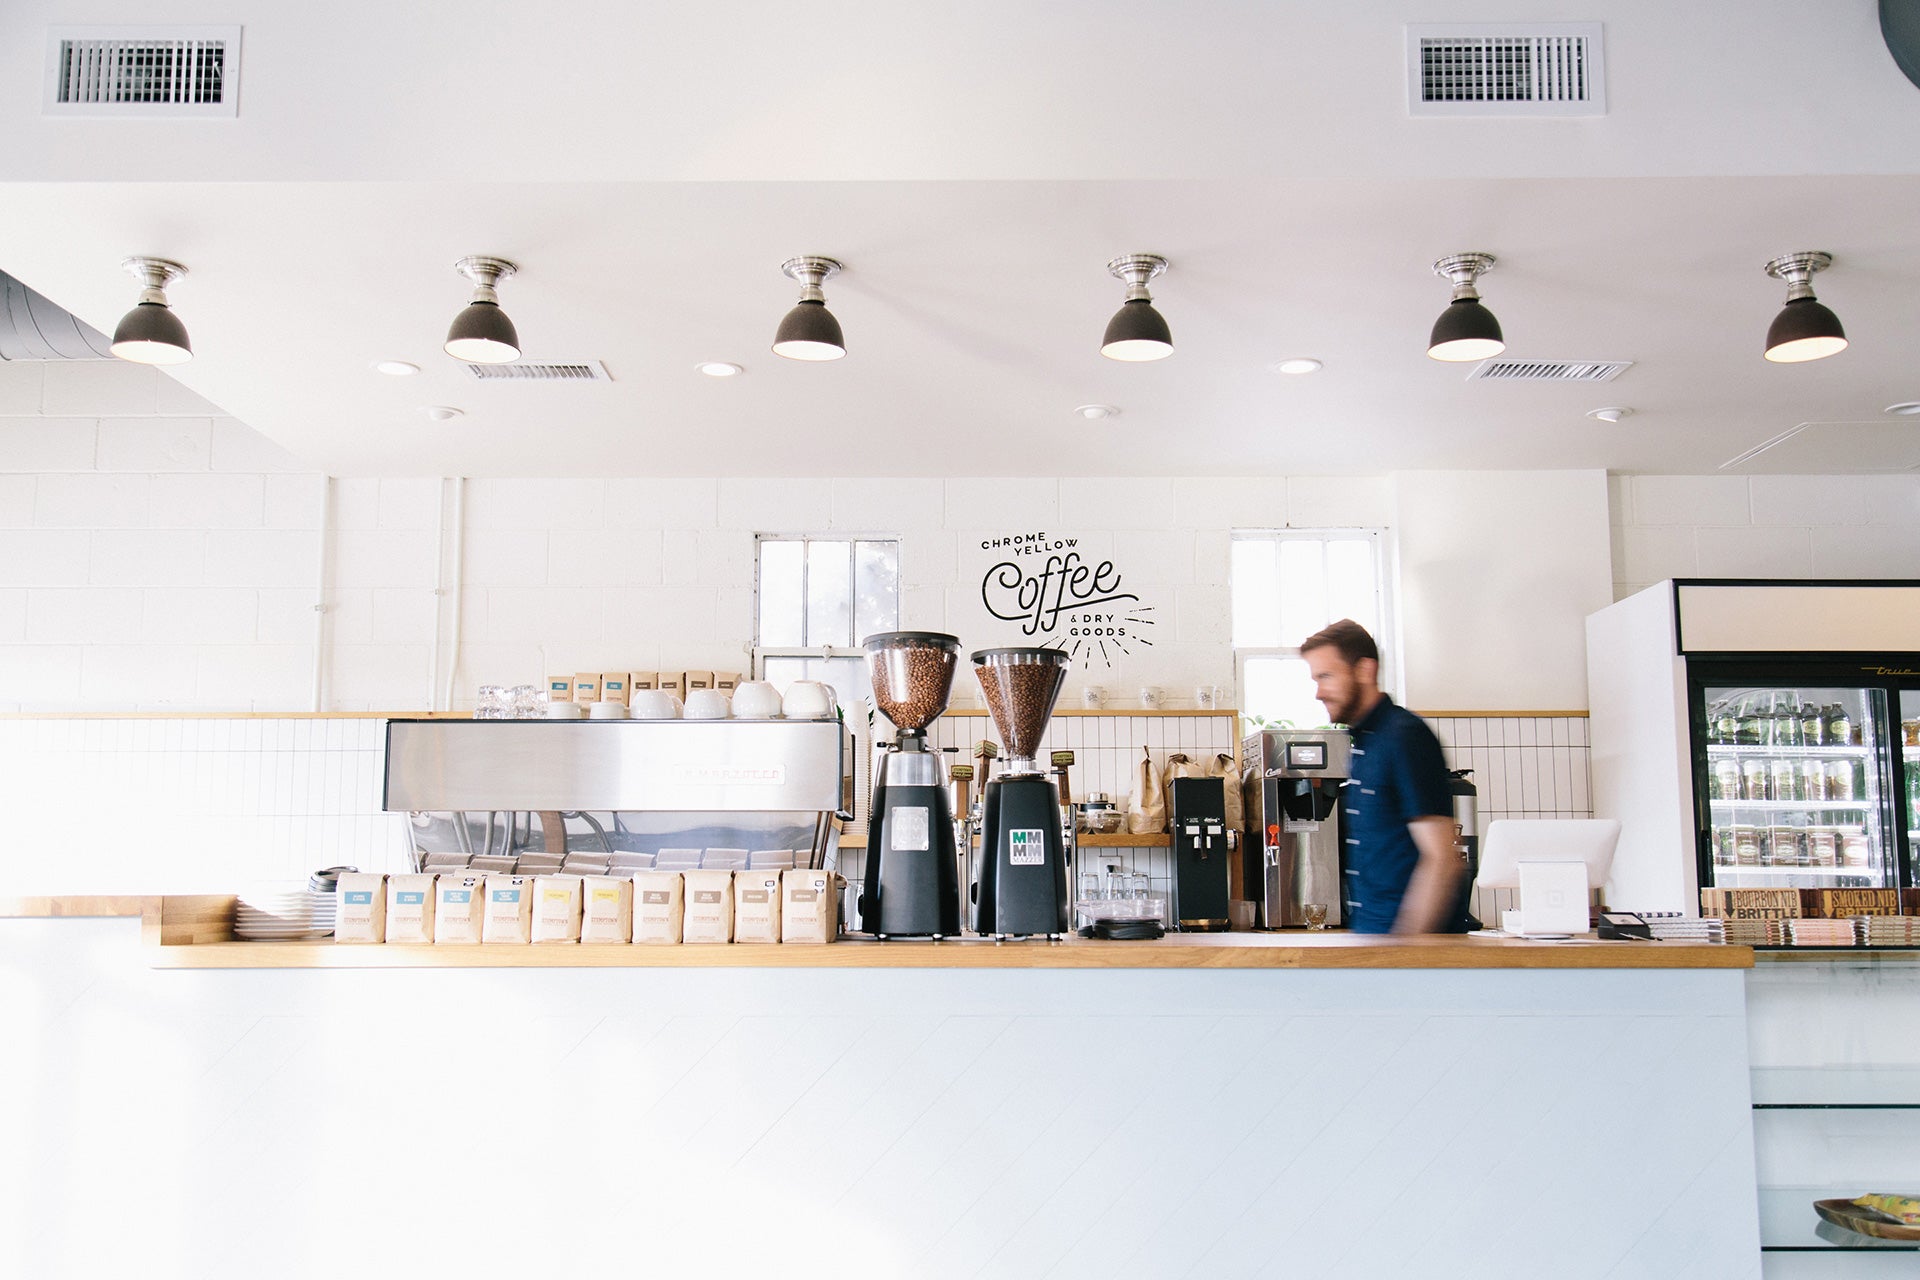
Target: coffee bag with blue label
(361, 913)
(509, 910)
(410, 908)
(459, 909)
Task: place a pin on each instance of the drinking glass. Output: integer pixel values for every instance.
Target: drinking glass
(492, 704)
(1315, 913)
(527, 702)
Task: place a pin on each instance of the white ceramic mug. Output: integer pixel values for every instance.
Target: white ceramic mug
(1093, 697)
(565, 711)
(1150, 697)
(1207, 697)
(809, 700)
(606, 711)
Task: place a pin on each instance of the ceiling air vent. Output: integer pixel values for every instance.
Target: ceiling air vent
(1549, 370)
(550, 371)
(1534, 69)
(169, 73)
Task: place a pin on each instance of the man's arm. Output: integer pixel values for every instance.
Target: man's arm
(1436, 878)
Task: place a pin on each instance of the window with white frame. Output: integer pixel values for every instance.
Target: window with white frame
(1287, 584)
(815, 600)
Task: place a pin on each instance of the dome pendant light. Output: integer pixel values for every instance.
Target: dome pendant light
(1804, 329)
(481, 333)
(809, 331)
(151, 333)
(1137, 331)
(1466, 330)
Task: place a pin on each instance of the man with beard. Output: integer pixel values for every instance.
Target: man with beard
(1403, 874)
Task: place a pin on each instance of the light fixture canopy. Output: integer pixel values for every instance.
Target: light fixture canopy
(1296, 366)
(1466, 330)
(482, 333)
(809, 331)
(719, 368)
(1097, 412)
(1137, 332)
(1805, 329)
(1904, 409)
(151, 333)
(1610, 414)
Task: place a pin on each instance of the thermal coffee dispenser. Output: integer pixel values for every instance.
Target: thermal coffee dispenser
(1197, 820)
(1292, 789)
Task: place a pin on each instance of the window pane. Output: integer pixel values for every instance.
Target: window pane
(781, 672)
(1303, 589)
(1256, 609)
(829, 594)
(876, 588)
(782, 611)
(1351, 583)
(1280, 691)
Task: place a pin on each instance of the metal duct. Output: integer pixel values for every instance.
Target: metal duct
(33, 327)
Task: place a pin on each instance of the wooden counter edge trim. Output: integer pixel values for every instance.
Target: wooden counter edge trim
(73, 904)
(1077, 955)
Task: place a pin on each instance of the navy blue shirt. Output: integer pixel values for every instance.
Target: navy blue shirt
(1399, 774)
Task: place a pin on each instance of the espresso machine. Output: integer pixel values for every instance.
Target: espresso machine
(912, 871)
(1021, 889)
(1292, 791)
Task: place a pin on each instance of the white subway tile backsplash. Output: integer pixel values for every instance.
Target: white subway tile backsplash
(91, 502)
(99, 389)
(46, 445)
(154, 444)
(43, 557)
(206, 501)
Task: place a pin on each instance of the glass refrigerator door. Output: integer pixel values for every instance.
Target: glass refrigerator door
(1796, 795)
(1910, 774)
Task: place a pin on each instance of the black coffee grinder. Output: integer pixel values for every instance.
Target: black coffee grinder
(1022, 884)
(912, 873)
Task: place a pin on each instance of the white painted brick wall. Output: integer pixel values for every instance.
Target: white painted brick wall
(1763, 526)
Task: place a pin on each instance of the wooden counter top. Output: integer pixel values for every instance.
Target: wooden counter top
(193, 932)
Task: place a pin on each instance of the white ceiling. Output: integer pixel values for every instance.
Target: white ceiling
(649, 166)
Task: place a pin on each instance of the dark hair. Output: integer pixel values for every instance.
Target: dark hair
(1346, 635)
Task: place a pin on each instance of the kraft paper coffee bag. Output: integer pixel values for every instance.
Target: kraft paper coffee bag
(556, 908)
(410, 908)
(809, 906)
(709, 906)
(756, 906)
(361, 913)
(509, 909)
(608, 910)
(659, 906)
(459, 909)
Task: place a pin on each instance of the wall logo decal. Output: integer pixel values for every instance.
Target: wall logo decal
(1063, 600)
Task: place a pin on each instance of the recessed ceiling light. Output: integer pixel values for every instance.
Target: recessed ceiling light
(396, 368)
(1905, 409)
(442, 412)
(719, 368)
(1299, 364)
(1095, 412)
(1612, 413)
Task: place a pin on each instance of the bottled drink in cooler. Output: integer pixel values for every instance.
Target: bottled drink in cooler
(1786, 725)
(1813, 726)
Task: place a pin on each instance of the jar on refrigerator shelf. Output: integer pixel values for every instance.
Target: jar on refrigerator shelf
(1724, 782)
(1813, 780)
(1746, 846)
(1843, 780)
(1910, 733)
(1753, 779)
(1823, 846)
(1854, 849)
(1784, 784)
(1723, 846)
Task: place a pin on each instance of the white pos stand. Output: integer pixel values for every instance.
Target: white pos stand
(1553, 862)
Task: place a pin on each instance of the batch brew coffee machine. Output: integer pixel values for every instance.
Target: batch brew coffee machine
(912, 872)
(1294, 822)
(1202, 885)
(1021, 889)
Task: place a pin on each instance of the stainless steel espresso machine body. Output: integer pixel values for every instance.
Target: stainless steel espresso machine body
(1294, 822)
(1024, 831)
(912, 878)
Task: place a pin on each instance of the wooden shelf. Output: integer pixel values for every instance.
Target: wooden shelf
(1157, 841)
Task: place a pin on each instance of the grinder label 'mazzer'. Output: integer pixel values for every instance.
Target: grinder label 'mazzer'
(1026, 847)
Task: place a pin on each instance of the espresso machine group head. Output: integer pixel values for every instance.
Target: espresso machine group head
(1022, 884)
(912, 883)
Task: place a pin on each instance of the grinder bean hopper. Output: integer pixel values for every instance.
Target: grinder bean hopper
(1022, 884)
(912, 877)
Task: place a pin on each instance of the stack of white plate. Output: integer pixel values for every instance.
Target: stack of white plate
(279, 914)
